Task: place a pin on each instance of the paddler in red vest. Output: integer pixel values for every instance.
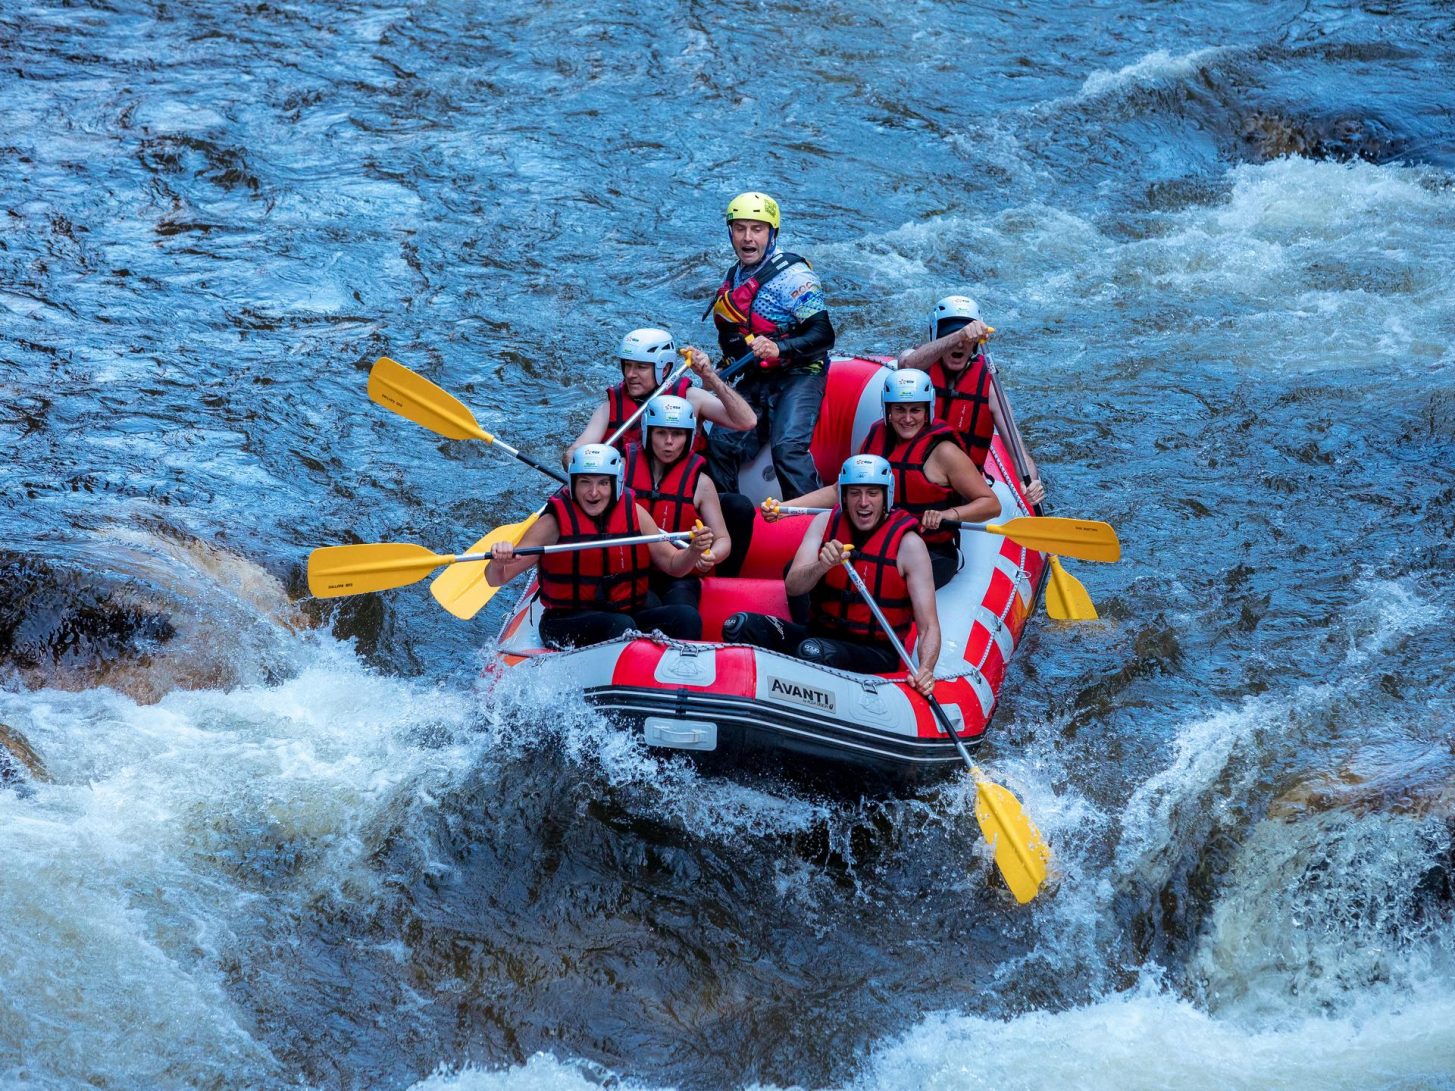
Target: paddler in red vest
(934, 479)
(592, 595)
(668, 479)
(955, 360)
(772, 304)
(647, 357)
(894, 563)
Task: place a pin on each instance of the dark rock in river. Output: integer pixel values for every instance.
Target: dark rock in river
(1270, 135)
(18, 761)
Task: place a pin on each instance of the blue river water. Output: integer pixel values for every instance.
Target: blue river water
(275, 842)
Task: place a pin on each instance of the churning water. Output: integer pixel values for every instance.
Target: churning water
(268, 842)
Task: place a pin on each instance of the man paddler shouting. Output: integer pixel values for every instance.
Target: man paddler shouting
(772, 304)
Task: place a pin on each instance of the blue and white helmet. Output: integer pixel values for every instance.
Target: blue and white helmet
(868, 470)
(906, 386)
(667, 411)
(598, 458)
(960, 309)
(649, 345)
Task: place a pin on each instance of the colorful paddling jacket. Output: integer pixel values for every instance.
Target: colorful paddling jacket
(620, 407)
(962, 401)
(595, 579)
(734, 310)
(838, 610)
(913, 491)
(670, 500)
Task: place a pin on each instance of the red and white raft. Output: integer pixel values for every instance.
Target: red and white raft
(733, 706)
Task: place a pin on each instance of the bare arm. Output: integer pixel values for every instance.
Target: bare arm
(813, 559)
(949, 464)
(504, 565)
(709, 510)
(594, 432)
(1035, 490)
(922, 357)
(717, 401)
(666, 556)
(914, 566)
(825, 496)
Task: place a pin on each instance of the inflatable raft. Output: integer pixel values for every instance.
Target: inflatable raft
(737, 706)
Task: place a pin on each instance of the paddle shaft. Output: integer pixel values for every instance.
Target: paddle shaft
(727, 373)
(1066, 598)
(1012, 437)
(573, 547)
(953, 524)
(555, 475)
(731, 371)
(416, 399)
(909, 661)
(677, 373)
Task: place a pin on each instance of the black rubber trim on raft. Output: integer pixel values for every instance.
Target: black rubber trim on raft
(861, 746)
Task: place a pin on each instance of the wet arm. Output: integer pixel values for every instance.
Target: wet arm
(914, 566)
(542, 532)
(722, 405)
(806, 569)
(980, 504)
(665, 555)
(594, 432)
(709, 510)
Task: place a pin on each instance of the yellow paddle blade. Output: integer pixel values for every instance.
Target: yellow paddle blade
(415, 398)
(1086, 539)
(1066, 599)
(355, 569)
(461, 589)
(1020, 853)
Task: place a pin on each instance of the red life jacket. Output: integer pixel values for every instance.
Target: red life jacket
(595, 579)
(732, 309)
(837, 609)
(670, 501)
(913, 491)
(963, 402)
(620, 406)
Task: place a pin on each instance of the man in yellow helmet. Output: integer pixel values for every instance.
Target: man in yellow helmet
(772, 304)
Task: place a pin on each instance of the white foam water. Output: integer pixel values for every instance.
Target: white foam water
(1156, 67)
(1147, 1038)
(169, 829)
(1302, 279)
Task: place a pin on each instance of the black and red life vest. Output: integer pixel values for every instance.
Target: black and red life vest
(670, 501)
(837, 609)
(732, 308)
(620, 406)
(913, 491)
(595, 579)
(962, 401)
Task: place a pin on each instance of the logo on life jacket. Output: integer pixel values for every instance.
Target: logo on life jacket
(806, 695)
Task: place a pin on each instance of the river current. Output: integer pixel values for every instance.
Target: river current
(272, 842)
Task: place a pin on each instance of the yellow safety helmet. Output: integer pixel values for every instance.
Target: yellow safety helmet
(753, 206)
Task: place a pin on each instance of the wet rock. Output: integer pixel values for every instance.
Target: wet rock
(147, 613)
(18, 761)
(1268, 134)
(50, 617)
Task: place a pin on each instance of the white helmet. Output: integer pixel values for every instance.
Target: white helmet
(649, 345)
(907, 386)
(667, 411)
(598, 458)
(960, 308)
(868, 470)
